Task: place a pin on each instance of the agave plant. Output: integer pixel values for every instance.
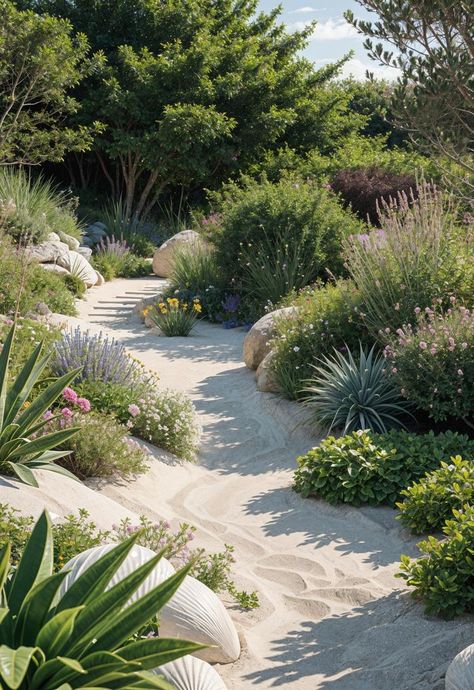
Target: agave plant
(351, 395)
(22, 447)
(88, 637)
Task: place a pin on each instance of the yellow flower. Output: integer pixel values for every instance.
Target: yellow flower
(146, 311)
(197, 307)
(26, 405)
(163, 310)
(184, 306)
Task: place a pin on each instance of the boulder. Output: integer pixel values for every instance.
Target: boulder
(163, 256)
(86, 252)
(71, 241)
(265, 377)
(55, 268)
(53, 237)
(460, 673)
(78, 265)
(100, 279)
(147, 302)
(257, 340)
(47, 252)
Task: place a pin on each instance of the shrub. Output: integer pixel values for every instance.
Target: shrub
(94, 623)
(174, 317)
(350, 395)
(134, 233)
(433, 362)
(444, 576)
(100, 358)
(419, 255)
(33, 207)
(195, 269)
(21, 417)
(256, 212)
(28, 334)
(102, 448)
(364, 467)
(75, 284)
(428, 503)
(168, 420)
(327, 317)
(77, 533)
(134, 266)
(363, 189)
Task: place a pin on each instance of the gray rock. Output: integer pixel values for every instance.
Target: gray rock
(78, 265)
(86, 252)
(100, 279)
(257, 340)
(47, 252)
(265, 376)
(146, 302)
(71, 242)
(54, 268)
(53, 237)
(163, 258)
(460, 673)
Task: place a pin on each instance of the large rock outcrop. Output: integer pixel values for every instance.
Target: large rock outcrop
(257, 340)
(163, 258)
(75, 263)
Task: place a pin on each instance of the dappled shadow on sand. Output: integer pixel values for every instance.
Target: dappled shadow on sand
(379, 538)
(413, 651)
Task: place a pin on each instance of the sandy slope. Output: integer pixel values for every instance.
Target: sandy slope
(331, 614)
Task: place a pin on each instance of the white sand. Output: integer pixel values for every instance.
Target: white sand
(332, 615)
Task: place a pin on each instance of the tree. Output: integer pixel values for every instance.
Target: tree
(195, 91)
(432, 43)
(40, 63)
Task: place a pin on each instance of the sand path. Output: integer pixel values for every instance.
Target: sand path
(331, 614)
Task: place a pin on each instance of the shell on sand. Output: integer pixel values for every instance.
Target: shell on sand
(460, 673)
(189, 673)
(196, 613)
(137, 557)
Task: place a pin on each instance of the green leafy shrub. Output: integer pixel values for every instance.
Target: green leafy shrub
(444, 576)
(77, 533)
(96, 644)
(22, 450)
(364, 467)
(420, 254)
(428, 503)
(433, 363)
(327, 317)
(28, 334)
(134, 266)
(264, 211)
(31, 207)
(195, 269)
(349, 394)
(174, 317)
(74, 284)
(134, 233)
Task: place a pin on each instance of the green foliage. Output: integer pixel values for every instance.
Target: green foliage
(251, 90)
(135, 266)
(261, 212)
(113, 215)
(47, 642)
(102, 448)
(195, 270)
(427, 504)
(364, 467)
(74, 284)
(21, 418)
(419, 255)
(431, 45)
(31, 207)
(110, 397)
(77, 533)
(327, 317)
(444, 576)
(127, 265)
(28, 334)
(349, 394)
(433, 364)
(40, 65)
(174, 317)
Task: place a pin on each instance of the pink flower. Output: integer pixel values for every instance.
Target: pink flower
(417, 310)
(70, 395)
(394, 370)
(433, 350)
(134, 410)
(84, 404)
(48, 415)
(66, 413)
(423, 345)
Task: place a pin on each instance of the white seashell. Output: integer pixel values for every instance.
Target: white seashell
(195, 613)
(189, 673)
(137, 557)
(460, 673)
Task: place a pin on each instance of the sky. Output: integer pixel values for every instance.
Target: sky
(333, 37)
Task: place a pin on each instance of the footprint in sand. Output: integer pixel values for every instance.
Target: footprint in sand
(311, 609)
(289, 579)
(284, 561)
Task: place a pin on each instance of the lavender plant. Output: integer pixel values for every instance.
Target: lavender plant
(101, 358)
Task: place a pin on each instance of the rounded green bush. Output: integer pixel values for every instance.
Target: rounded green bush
(428, 503)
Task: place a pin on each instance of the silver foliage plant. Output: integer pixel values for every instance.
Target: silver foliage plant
(351, 393)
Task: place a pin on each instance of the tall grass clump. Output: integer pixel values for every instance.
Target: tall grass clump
(419, 254)
(129, 230)
(195, 269)
(32, 207)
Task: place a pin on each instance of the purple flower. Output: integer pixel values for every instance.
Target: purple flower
(66, 413)
(70, 395)
(84, 404)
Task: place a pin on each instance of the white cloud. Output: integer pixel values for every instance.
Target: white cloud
(307, 10)
(333, 30)
(358, 69)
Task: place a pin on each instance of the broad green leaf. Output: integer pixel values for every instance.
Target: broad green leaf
(54, 635)
(5, 550)
(47, 464)
(158, 651)
(34, 610)
(4, 362)
(23, 473)
(93, 581)
(45, 400)
(14, 664)
(35, 565)
(24, 383)
(125, 622)
(96, 665)
(46, 674)
(44, 443)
